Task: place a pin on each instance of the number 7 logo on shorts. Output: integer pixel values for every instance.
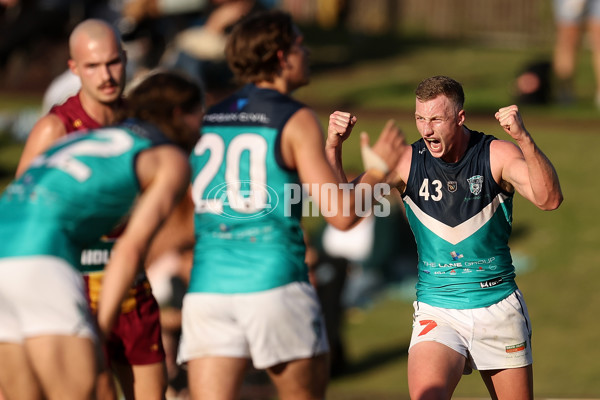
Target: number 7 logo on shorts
(430, 324)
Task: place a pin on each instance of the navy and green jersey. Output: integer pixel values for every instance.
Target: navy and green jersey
(248, 235)
(461, 219)
(77, 191)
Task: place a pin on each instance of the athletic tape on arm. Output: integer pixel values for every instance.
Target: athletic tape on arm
(371, 160)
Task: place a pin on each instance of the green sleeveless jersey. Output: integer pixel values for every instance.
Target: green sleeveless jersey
(462, 220)
(248, 235)
(71, 195)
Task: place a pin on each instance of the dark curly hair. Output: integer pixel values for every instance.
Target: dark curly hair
(253, 44)
(157, 96)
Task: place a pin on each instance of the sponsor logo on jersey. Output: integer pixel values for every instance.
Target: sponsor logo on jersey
(95, 257)
(491, 283)
(237, 117)
(452, 186)
(475, 184)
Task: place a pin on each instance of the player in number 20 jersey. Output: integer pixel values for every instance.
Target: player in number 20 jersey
(245, 229)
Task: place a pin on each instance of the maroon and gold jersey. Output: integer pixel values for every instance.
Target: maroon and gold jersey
(73, 116)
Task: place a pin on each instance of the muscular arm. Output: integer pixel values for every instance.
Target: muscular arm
(524, 167)
(164, 175)
(43, 135)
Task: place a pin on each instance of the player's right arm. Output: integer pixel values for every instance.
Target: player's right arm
(44, 134)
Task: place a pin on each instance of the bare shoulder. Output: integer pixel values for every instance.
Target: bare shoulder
(49, 128)
(504, 154)
(303, 122)
(43, 135)
(168, 164)
(301, 131)
(500, 147)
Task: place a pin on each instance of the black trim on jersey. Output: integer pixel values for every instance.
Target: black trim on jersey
(146, 130)
(459, 199)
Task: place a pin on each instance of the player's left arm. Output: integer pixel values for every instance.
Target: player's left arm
(524, 166)
(164, 175)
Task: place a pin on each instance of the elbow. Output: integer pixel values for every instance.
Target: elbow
(552, 203)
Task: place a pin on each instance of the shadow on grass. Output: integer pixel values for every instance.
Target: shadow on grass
(374, 360)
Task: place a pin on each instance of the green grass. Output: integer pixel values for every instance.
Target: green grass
(561, 247)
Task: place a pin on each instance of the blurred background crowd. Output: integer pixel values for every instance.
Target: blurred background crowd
(349, 268)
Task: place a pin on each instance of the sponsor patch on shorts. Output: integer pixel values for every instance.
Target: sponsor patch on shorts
(516, 347)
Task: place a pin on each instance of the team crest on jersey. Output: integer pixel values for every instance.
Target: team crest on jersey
(452, 186)
(475, 184)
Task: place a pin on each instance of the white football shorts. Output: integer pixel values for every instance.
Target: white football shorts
(494, 337)
(270, 327)
(576, 11)
(42, 295)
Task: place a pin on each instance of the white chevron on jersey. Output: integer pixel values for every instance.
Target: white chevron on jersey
(462, 231)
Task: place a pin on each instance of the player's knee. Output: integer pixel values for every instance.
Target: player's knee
(430, 393)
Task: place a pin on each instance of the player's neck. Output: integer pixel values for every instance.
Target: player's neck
(277, 84)
(103, 113)
(460, 146)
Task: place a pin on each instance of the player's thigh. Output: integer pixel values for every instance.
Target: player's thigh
(105, 386)
(510, 384)
(141, 381)
(216, 378)
(434, 368)
(502, 335)
(17, 380)
(303, 379)
(66, 366)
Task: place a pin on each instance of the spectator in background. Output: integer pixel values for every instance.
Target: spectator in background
(25, 22)
(572, 18)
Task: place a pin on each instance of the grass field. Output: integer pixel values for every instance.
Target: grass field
(560, 249)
